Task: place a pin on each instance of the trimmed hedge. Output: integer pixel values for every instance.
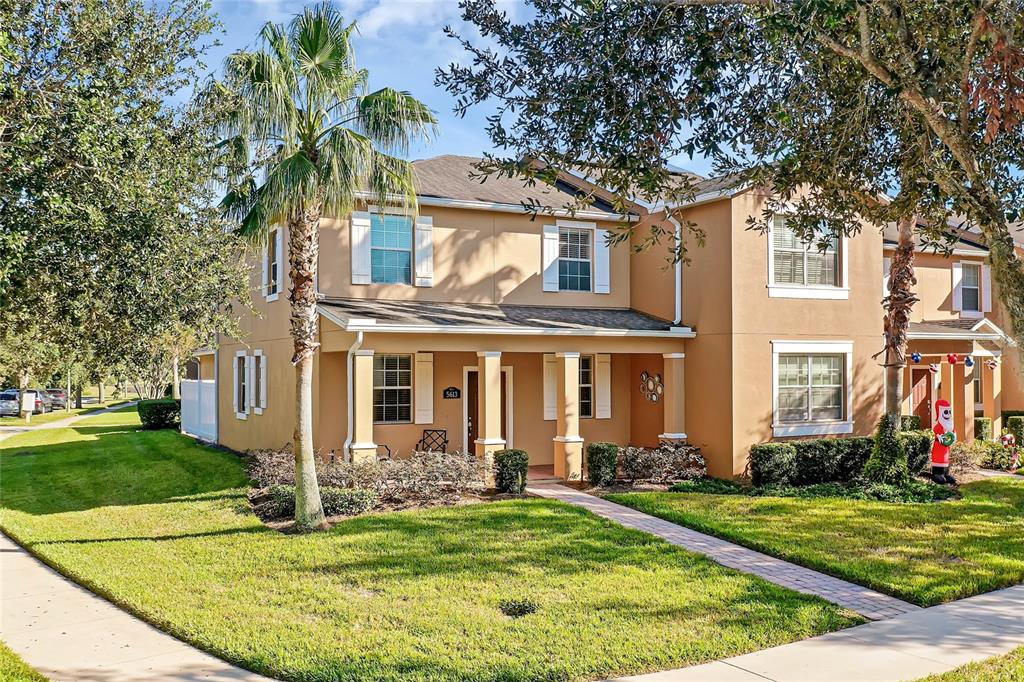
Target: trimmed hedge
(827, 460)
(510, 469)
(1007, 414)
(336, 501)
(602, 459)
(910, 422)
(163, 413)
(983, 428)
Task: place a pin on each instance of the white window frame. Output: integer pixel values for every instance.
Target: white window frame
(811, 291)
(974, 312)
(579, 228)
(259, 381)
(592, 385)
(241, 381)
(387, 210)
(411, 387)
(272, 268)
(978, 384)
(818, 428)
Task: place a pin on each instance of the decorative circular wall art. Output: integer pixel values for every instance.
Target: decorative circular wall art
(651, 386)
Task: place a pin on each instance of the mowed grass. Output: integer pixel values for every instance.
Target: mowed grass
(13, 669)
(162, 526)
(56, 415)
(1008, 668)
(923, 553)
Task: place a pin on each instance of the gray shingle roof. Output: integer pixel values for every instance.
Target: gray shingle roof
(958, 328)
(500, 316)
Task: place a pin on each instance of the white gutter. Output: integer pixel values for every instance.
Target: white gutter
(953, 336)
(442, 202)
(954, 252)
(679, 274)
(349, 393)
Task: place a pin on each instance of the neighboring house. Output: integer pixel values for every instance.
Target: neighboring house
(504, 330)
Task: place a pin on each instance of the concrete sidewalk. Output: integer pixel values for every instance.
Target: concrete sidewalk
(867, 602)
(6, 431)
(68, 633)
(906, 647)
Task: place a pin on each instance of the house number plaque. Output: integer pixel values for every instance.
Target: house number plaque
(451, 393)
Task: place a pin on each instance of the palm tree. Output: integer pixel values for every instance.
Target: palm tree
(302, 137)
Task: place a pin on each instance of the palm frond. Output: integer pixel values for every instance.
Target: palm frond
(394, 119)
(391, 182)
(322, 48)
(292, 184)
(346, 158)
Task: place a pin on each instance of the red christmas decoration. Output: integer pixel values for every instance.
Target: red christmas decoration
(952, 358)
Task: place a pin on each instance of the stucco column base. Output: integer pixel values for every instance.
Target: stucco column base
(568, 457)
(485, 449)
(363, 453)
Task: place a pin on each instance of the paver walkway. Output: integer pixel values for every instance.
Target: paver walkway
(867, 602)
(68, 633)
(907, 647)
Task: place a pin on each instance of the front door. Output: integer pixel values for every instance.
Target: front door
(921, 392)
(472, 394)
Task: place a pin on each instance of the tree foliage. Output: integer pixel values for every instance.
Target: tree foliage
(916, 101)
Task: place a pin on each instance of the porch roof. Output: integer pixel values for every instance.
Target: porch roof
(484, 318)
(956, 330)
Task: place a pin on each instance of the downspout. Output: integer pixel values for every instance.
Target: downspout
(679, 274)
(349, 389)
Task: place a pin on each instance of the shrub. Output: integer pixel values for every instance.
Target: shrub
(428, 477)
(1007, 414)
(1015, 425)
(665, 464)
(162, 413)
(888, 461)
(709, 486)
(510, 469)
(910, 422)
(336, 501)
(602, 459)
(967, 456)
(772, 463)
(983, 428)
(918, 447)
(910, 490)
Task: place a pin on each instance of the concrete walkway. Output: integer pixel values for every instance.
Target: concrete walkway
(907, 647)
(6, 431)
(68, 633)
(867, 602)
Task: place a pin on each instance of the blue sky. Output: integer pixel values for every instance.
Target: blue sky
(400, 42)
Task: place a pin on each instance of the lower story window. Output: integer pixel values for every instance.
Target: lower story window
(811, 387)
(392, 389)
(586, 385)
(241, 385)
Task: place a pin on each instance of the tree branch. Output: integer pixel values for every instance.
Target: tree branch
(977, 30)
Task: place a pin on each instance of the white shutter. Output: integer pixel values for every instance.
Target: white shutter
(550, 387)
(360, 234)
(886, 267)
(263, 382)
(603, 386)
(234, 384)
(279, 235)
(250, 382)
(958, 292)
(549, 261)
(986, 289)
(424, 251)
(265, 283)
(602, 263)
(424, 386)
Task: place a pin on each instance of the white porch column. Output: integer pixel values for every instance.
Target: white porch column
(674, 401)
(488, 409)
(568, 445)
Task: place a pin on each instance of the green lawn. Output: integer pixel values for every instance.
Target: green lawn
(162, 526)
(1008, 668)
(924, 553)
(56, 415)
(13, 669)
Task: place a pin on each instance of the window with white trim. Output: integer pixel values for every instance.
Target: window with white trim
(241, 386)
(392, 389)
(586, 385)
(979, 397)
(970, 287)
(258, 388)
(390, 248)
(811, 388)
(574, 258)
(798, 264)
(273, 264)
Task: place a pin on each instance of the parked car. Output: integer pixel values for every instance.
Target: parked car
(59, 397)
(10, 402)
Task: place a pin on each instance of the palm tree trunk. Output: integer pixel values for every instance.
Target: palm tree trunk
(303, 247)
(898, 305)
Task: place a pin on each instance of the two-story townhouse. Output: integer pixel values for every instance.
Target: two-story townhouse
(498, 329)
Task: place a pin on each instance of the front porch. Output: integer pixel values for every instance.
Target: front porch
(958, 361)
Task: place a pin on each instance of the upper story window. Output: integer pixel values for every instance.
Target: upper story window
(272, 256)
(390, 249)
(971, 287)
(574, 251)
(586, 385)
(392, 389)
(800, 270)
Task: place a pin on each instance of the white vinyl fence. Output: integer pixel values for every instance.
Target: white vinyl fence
(199, 408)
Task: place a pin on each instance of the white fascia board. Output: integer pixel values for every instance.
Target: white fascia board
(977, 253)
(674, 333)
(509, 208)
(953, 336)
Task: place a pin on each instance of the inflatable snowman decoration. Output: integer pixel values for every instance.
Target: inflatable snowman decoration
(944, 439)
